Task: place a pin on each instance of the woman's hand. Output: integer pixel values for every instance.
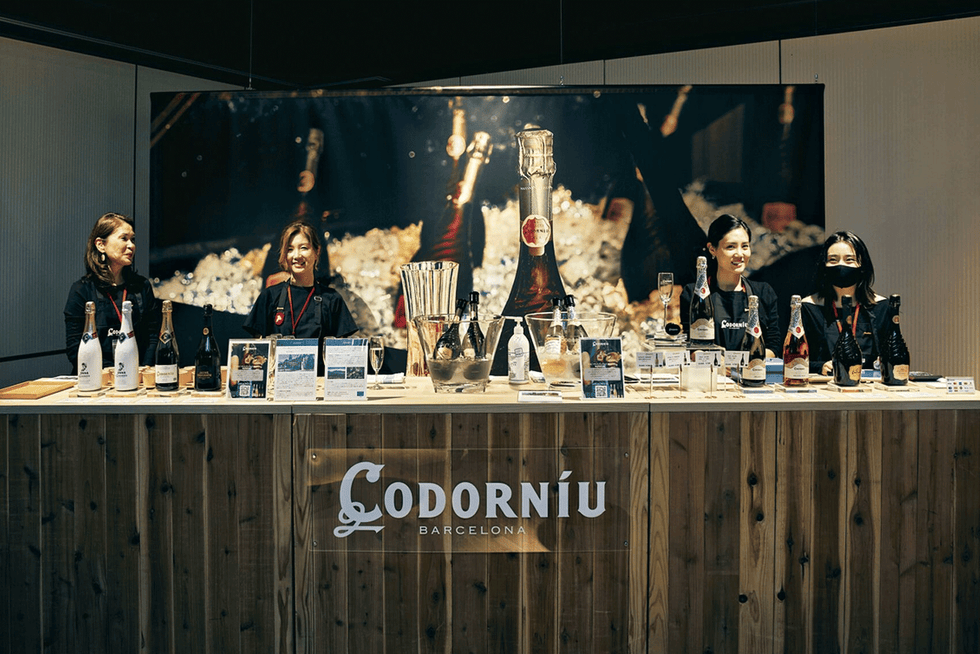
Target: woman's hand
(827, 369)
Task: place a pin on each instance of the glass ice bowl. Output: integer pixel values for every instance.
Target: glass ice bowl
(565, 369)
(455, 371)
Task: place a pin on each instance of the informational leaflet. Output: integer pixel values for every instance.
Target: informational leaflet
(296, 369)
(602, 368)
(248, 369)
(345, 368)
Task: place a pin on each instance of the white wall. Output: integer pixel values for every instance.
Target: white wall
(74, 144)
(902, 130)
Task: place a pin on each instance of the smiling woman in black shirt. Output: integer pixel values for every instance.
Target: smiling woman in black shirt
(729, 250)
(303, 305)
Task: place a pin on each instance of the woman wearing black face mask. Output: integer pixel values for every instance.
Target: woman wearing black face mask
(844, 268)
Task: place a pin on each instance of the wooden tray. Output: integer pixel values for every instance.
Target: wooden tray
(34, 390)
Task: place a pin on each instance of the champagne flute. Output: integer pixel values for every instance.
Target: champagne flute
(376, 352)
(665, 284)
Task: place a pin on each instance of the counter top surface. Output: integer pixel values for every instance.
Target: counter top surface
(417, 396)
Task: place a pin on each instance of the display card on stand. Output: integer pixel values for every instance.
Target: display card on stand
(345, 368)
(248, 369)
(296, 368)
(602, 368)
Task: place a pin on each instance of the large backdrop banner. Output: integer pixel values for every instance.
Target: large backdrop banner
(640, 173)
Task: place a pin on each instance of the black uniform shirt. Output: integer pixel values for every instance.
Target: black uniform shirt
(732, 314)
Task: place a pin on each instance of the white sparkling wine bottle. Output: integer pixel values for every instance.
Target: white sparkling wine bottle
(127, 358)
(90, 354)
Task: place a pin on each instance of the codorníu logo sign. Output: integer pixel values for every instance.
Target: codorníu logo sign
(463, 507)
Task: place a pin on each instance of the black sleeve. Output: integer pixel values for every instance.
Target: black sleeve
(769, 316)
(74, 321)
(685, 309)
(148, 329)
(814, 326)
(257, 321)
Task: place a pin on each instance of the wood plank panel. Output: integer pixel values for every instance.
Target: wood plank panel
(578, 562)
(793, 616)
(223, 515)
(722, 478)
(23, 514)
(827, 559)
(283, 529)
(862, 570)
(302, 519)
(685, 622)
(90, 539)
(639, 534)
(400, 442)
(934, 578)
(659, 560)
(966, 533)
(758, 525)
(189, 451)
(899, 497)
(123, 540)
(258, 579)
(435, 602)
(59, 454)
(470, 563)
(540, 593)
(365, 558)
(504, 592)
(610, 441)
(160, 533)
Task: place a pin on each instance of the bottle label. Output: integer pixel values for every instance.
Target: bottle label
(703, 290)
(755, 371)
(895, 319)
(703, 330)
(796, 369)
(854, 373)
(552, 347)
(756, 330)
(798, 331)
(535, 231)
(165, 337)
(166, 374)
(86, 337)
(900, 372)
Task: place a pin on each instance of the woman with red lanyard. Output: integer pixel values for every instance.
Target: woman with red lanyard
(302, 305)
(728, 251)
(109, 281)
(843, 268)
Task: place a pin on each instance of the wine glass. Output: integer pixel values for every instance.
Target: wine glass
(376, 355)
(665, 284)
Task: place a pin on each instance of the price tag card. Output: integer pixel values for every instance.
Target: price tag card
(248, 369)
(602, 368)
(675, 359)
(345, 368)
(705, 358)
(646, 359)
(960, 385)
(296, 368)
(734, 359)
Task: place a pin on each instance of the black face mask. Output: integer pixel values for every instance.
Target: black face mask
(842, 276)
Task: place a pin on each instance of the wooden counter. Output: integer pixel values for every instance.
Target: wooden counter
(748, 524)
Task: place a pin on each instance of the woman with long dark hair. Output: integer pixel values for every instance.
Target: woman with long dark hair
(109, 281)
(844, 267)
(728, 250)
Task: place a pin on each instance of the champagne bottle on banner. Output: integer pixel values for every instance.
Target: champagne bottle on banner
(207, 361)
(796, 351)
(754, 372)
(167, 363)
(702, 311)
(90, 354)
(847, 355)
(126, 356)
(894, 351)
(537, 279)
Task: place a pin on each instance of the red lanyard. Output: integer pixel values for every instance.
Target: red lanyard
(289, 293)
(854, 327)
(118, 312)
